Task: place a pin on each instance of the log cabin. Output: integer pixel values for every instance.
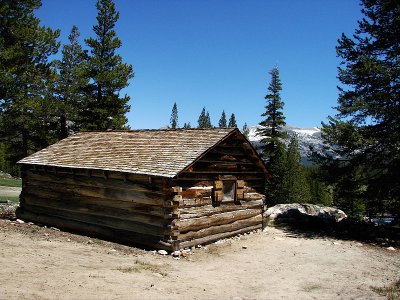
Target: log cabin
(165, 189)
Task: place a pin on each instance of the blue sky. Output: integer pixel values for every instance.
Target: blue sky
(217, 54)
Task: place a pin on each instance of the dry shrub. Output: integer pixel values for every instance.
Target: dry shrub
(142, 266)
(392, 292)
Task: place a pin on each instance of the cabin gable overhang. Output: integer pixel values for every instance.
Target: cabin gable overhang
(247, 146)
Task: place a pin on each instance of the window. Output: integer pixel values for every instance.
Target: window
(229, 191)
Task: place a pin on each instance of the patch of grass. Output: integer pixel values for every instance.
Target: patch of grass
(391, 292)
(10, 182)
(140, 266)
(10, 199)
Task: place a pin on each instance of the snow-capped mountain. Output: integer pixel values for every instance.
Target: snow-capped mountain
(306, 137)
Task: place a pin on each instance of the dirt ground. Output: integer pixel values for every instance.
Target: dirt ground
(45, 263)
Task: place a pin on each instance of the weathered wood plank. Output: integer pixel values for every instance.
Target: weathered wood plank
(98, 210)
(83, 200)
(196, 202)
(193, 177)
(243, 173)
(155, 182)
(96, 220)
(196, 193)
(91, 182)
(214, 237)
(253, 195)
(208, 210)
(217, 161)
(108, 233)
(192, 224)
(105, 193)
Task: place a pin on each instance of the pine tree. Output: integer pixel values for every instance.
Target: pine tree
(296, 187)
(245, 130)
(232, 122)
(187, 125)
(70, 85)
(174, 116)
(108, 74)
(26, 79)
(271, 128)
(366, 131)
(204, 119)
(207, 121)
(320, 192)
(275, 185)
(222, 120)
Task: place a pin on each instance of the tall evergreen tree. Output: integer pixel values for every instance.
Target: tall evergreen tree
(222, 120)
(70, 85)
(108, 74)
(204, 120)
(187, 125)
(271, 133)
(174, 116)
(26, 78)
(232, 121)
(208, 120)
(271, 128)
(245, 130)
(366, 130)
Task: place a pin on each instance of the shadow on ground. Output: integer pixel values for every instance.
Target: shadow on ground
(313, 227)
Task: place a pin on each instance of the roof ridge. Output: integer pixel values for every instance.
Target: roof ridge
(161, 129)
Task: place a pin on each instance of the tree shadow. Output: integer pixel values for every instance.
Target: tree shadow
(312, 227)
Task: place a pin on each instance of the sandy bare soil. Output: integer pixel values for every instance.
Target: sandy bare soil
(44, 263)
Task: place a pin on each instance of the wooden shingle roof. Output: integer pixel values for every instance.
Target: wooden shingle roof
(152, 152)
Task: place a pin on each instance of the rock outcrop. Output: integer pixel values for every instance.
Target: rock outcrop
(303, 214)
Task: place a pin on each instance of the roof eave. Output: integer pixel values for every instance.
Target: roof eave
(154, 174)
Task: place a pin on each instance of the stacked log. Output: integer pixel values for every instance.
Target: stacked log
(113, 208)
(201, 221)
(117, 207)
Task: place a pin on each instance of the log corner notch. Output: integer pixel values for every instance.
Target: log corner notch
(239, 190)
(217, 192)
(173, 204)
(176, 197)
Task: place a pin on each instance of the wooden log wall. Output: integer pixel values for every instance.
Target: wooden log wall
(127, 208)
(201, 221)
(157, 212)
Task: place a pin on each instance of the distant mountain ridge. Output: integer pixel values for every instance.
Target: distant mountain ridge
(306, 137)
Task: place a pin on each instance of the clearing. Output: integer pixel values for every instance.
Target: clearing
(10, 188)
(45, 263)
